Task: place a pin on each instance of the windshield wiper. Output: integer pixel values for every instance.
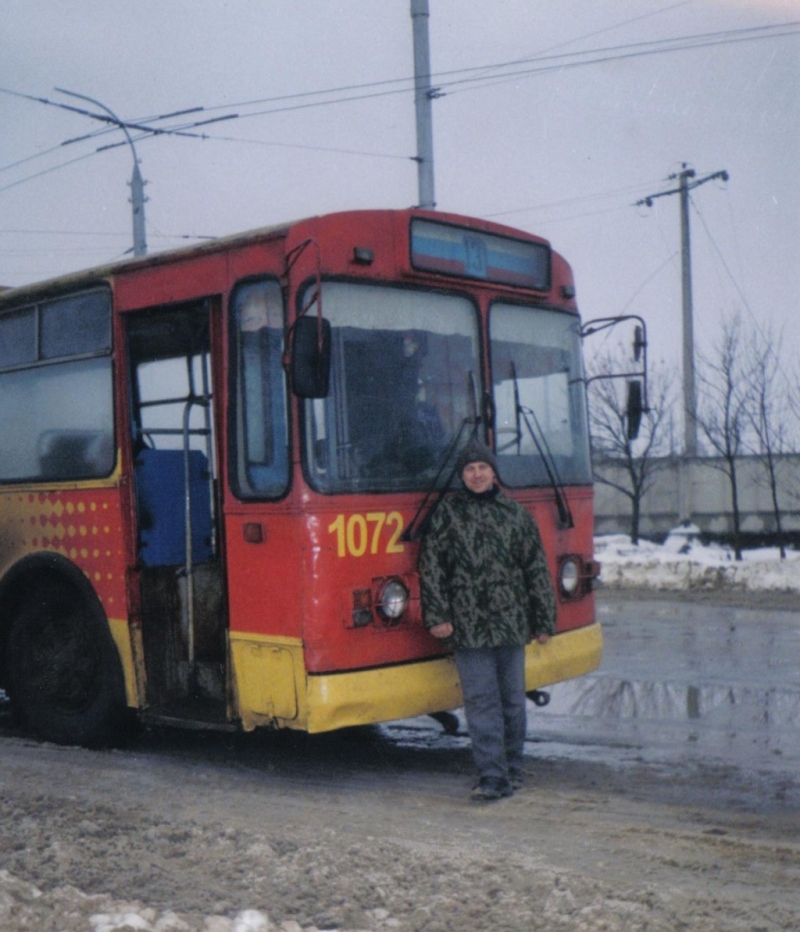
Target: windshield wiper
(416, 528)
(565, 519)
(517, 408)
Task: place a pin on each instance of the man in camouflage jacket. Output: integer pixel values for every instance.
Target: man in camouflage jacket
(487, 591)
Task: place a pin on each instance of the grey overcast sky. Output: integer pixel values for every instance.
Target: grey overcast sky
(526, 132)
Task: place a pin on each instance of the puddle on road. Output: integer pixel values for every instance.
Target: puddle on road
(744, 726)
(686, 682)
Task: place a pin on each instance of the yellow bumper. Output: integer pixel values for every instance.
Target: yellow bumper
(271, 687)
(564, 657)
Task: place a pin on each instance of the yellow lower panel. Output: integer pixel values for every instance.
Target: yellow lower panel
(564, 657)
(343, 699)
(268, 677)
(272, 688)
(339, 700)
(121, 634)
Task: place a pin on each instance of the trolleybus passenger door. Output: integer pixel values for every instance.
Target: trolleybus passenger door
(174, 458)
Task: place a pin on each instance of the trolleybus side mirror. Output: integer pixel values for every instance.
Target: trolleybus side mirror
(639, 343)
(635, 408)
(311, 357)
(636, 404)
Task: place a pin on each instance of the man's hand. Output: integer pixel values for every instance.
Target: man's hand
(542, 638)
(444, 630)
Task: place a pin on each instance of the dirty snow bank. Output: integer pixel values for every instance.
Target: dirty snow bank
(683, 563)
(564, 902)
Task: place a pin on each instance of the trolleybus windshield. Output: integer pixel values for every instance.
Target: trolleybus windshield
(404, 370)
(539, 398)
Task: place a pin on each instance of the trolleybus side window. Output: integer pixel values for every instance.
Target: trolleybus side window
(56, 395)
(261, 467)
(539, 397)
(404, 370)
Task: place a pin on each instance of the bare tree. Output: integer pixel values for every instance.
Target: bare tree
(725, 395)
(625, 464)
(791, 484)
(770, 414)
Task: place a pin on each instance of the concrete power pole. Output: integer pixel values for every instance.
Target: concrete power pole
(423, 95)
(689, 393)
(685, 184)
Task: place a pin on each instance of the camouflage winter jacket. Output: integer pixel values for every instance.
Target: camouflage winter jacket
(482, 568)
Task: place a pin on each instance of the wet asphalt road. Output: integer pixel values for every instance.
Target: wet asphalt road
(685, 682)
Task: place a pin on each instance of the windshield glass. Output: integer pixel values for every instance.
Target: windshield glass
(403, 377)
(539, 396)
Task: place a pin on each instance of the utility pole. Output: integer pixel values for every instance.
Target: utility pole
(137, 184)
(686, 184)
(423, 95)
(137, 203)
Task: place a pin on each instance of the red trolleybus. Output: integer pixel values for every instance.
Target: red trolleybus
(216, 464)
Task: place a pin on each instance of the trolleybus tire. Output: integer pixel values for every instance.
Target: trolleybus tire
(65, 677)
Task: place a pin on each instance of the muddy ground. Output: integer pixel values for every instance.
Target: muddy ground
(367, 831)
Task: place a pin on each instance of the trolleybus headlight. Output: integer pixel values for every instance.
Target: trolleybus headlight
(392, 599)
(569, 576)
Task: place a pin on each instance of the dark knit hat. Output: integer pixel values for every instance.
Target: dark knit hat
(475, 452)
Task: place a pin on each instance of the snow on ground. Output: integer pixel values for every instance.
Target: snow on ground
(682, 562)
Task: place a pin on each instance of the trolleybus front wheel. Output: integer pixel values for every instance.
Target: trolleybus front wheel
(65, 679)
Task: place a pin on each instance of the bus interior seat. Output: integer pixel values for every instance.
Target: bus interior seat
(75, 454)
(160, 483)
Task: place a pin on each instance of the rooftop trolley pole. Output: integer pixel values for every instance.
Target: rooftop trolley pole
(423, 95)
(689, 393)
(137, 185)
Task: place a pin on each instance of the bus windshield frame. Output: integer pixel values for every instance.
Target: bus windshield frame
(405, 371)
(538, 394)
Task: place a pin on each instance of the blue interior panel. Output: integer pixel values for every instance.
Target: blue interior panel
(161, 499)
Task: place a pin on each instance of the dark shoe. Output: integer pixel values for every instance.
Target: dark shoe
(516, 778)
(490, 789)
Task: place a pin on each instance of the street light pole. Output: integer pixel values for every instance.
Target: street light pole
(137, 184)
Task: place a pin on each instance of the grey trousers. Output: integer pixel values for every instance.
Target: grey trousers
(493, 686)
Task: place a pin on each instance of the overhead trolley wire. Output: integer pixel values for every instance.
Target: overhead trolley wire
(450, 79)
(472, 79)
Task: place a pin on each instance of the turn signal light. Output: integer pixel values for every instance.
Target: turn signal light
(362, 608)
